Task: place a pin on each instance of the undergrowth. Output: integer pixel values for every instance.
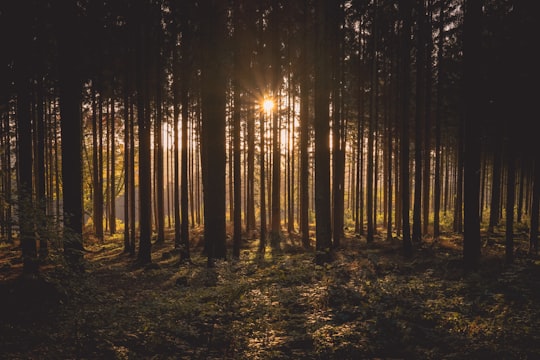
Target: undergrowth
(369, 303)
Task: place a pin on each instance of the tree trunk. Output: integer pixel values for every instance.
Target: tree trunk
(185, 76)
(24, 160)
(144, 124)
(533, 232)
(213, 30)
(405, 9)
(70, 113)
(472, 77)
(438, 120)
(158, 160)
(496, 181)
(419, 122)
(510, 203)
(262, 176)
(98, 195)
(370, 204)
(112, 179)
(40, 172)
(304, 136)
(338, 128)
(322, 134)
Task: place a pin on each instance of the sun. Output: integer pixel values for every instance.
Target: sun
(268, 105)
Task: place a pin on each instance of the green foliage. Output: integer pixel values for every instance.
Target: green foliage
(368, 303)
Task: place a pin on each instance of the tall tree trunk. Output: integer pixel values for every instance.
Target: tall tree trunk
(112, 179)
(213, 30)
(98, 194)
(304, 135)
(533, 232)
(70, 114)
(237, 108)
(510, 202)
(144, 255)
(41, 197)
(176, 84)
(158, 162)
(419, 122)
(276, 125)
(405, 9)
(438, 121)
(127, 151)
(472, 76)
(262, 180)
(495, 181)
(370, 204)
(131, 169)
(322, 134)
(185, 75)
(426, 181)
(338, 143)
(250, 201)
(24, 158)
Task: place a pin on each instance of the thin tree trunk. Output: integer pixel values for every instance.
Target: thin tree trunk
(419, 122)
(98, 195)
(145, 171)
(438, 120)
(304, 136)
(262, 179)
(112, 179)
(185, 76)
(40, 173)
(405, 9)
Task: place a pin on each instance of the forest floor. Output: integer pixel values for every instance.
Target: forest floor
(369, 303)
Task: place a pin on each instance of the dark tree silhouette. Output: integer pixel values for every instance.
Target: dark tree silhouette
(322, 134)
(70, 113)
(405, 10)
(473, 115)
(213, 89)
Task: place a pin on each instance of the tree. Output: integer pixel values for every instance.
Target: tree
(185, 75)
(533, 232)
(419, 121)
(438, 120)
(239, 64)
(112, 178)
(473, 115)
(276, 125)
(23, 68)
(405, 10)
(262, 191)
(338, 121)
(144, 255)
(304, 131)
(70, 114)
(97, 163)
(322, 135)
(213, 88)
(370, 173)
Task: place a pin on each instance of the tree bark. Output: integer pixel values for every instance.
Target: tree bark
(322, 137)
(472, 72)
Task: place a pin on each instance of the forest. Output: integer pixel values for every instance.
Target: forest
(270, 179)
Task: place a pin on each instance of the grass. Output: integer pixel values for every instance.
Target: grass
(369, 303)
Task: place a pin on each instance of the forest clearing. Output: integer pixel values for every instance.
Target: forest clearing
(369, 303)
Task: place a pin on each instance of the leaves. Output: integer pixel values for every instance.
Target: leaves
(369, 303)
